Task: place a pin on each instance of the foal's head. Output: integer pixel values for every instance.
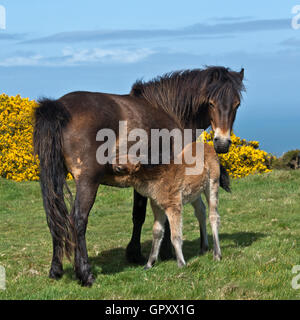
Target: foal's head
(223, 94)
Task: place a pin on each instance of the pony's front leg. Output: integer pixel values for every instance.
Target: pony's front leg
(174, 215)
(214, 217)
(133, 250)
(158, 233)
(85, 197)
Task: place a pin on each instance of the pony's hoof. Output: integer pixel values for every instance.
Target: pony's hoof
(56, 273)
(89, 281)
(134, 255)
(203, 250)
(181, 264)
(138, 259)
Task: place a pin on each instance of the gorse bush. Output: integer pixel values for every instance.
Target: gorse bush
(18, 163)
(290, 159)
(244, 157)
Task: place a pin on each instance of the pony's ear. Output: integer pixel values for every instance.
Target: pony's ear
(241, 74)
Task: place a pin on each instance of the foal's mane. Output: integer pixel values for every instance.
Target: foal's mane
(182, 93)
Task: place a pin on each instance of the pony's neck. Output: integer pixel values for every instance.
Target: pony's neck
(200, 120)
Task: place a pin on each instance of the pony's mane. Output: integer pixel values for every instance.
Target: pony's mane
(182, 93)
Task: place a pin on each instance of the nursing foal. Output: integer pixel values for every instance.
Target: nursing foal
(169, 187)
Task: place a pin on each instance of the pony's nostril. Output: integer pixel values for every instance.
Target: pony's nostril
(216, 139)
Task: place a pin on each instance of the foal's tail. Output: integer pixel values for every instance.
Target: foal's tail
(224, 179)
(50, 118)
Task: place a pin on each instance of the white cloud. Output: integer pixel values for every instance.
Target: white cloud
(105, 55)
(20, 60)
(73, 57)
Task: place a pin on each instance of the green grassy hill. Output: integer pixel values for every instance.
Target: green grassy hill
(259, 237)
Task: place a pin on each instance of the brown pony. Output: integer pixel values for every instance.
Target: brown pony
(169, 187)
(65, 134)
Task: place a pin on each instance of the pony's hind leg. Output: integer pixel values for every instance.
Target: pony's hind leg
(200, 213)
(214, 217)
(85, 197)
(56, 270)
(158, 233)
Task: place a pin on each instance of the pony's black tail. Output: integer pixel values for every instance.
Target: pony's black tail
(50, 118)
(224, 179)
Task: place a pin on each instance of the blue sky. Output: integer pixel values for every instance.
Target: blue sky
(53, 47)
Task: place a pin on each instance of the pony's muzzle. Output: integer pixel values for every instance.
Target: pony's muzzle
(222, 144)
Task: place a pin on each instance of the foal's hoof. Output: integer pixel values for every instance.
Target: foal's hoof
(217, 257)
(181, 264)
(147, 267)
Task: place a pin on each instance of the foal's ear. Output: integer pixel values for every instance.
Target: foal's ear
(241, 74)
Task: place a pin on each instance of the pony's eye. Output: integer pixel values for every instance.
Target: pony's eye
(211, 105)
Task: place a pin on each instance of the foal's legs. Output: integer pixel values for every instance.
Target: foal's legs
(133, 250)
(85, 197)
(158, 233)
(174, 215)
(211, 194)
(175, 220)
(200, 213)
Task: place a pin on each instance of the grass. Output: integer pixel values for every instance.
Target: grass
(259, 236)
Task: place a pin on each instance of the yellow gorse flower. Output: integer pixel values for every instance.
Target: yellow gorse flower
(244, 157)
(17, 161)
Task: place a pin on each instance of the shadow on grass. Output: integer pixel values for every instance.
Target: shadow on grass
(238, 239)
(114, 261)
